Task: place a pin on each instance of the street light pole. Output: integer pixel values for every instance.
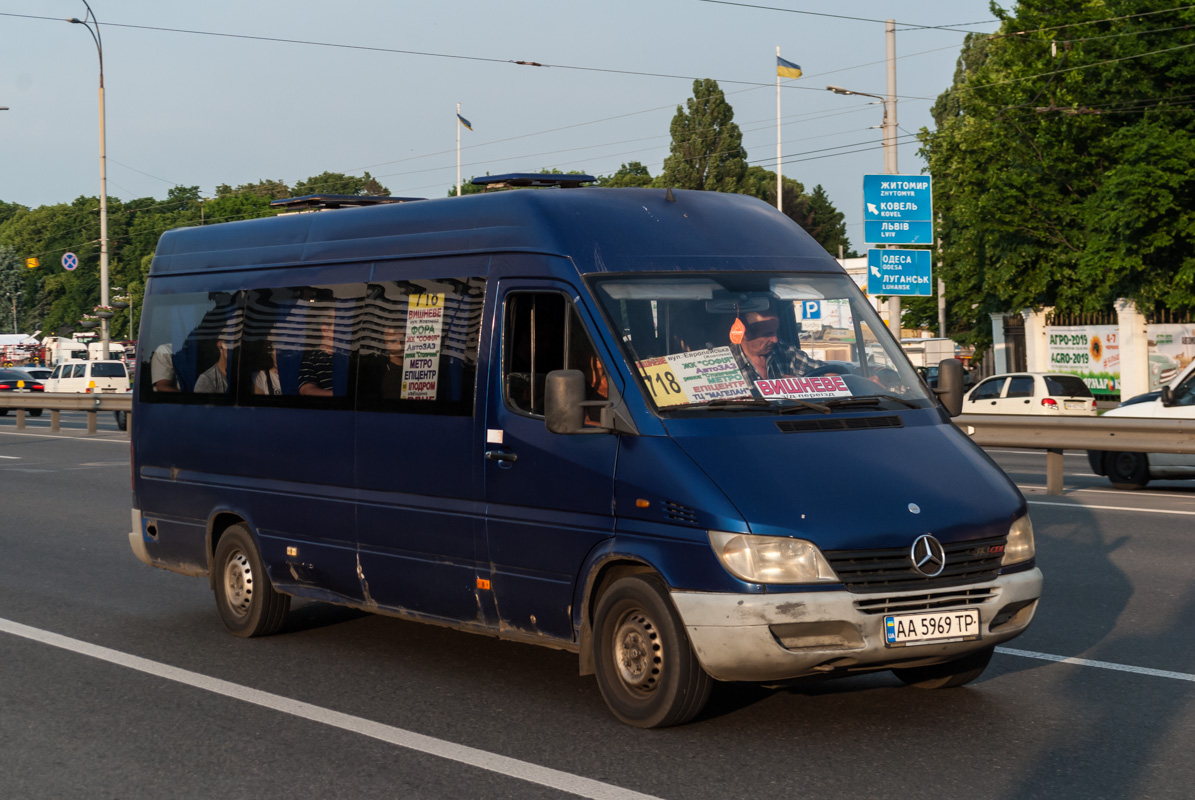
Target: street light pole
(88, 23)
(889, 129)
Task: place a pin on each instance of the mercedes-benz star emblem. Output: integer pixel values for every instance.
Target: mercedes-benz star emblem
(928, 556)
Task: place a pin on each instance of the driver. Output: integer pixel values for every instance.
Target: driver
(762, 355)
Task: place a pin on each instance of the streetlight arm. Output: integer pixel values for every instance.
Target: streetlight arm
(840, 90)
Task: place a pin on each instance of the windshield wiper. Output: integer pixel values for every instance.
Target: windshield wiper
(788, 405)
(867, 400)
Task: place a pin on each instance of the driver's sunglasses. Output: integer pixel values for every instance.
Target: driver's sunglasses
(762, 330)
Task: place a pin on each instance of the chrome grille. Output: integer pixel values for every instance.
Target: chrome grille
(891, 569)
(931, 601)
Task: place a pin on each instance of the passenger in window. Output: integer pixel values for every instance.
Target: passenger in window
(161, 369)
(315, 369)
(265, 379)
(215, 379)
(762, 354)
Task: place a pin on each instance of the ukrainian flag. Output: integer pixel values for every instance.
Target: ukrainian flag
(468, 125)
(787, 69)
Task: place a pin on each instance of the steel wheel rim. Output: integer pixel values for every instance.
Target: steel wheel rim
(638, 652)
(1124, 464)
(238, 583)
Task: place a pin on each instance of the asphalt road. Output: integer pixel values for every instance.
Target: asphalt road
(118, 680)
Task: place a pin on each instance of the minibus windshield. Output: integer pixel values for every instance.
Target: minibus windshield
(772, 342)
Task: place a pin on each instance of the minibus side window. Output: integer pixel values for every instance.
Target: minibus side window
(542, 332)
(416, 345)
(298, 343)
(192, 346)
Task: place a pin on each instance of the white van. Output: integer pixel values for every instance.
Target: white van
(99, 377)
(1134, 470)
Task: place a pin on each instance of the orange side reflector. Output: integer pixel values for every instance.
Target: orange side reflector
(641, 503)
(483, 584)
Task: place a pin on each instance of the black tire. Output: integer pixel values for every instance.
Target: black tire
(959, 672)
(3, 412)
(646, 669)
(34, 412)
(245, 597)
(122, 420)
(1127, 470)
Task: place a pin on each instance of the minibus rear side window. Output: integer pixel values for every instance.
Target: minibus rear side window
(542, 333)
(192, 351)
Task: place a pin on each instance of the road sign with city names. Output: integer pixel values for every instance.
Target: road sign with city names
(907, 273)
(898, 209)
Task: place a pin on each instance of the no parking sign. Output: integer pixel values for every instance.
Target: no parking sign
(69, 261)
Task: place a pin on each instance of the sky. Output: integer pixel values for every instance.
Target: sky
(196, 109)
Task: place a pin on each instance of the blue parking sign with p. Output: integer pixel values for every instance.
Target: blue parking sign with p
(812, 309)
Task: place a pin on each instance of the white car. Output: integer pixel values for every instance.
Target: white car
(97, 377)
(1052, 393)
(1134, 470)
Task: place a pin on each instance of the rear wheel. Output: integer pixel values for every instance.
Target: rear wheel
(1127, 470)
(122, 419)
(245, 597)
(959, 672)
(34, 412)
(646, 669)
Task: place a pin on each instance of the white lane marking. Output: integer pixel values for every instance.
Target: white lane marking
(1112, 508)
(17, 458)
(1119, 492)
(481, 759)
(1041, 452)
(1087, 662)
(92, 437)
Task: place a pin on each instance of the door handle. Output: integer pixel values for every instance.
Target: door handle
(498, 455)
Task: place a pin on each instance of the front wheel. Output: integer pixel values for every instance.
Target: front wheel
(1127, 470)
(246, 599)
(122, 419)
(646, 669)
(959, 672)
(35, 412)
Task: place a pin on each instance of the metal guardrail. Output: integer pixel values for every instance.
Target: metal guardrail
(1053, 435)
(1115, 434)
(57, 402)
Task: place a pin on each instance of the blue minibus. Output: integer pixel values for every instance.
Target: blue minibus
(661, 429)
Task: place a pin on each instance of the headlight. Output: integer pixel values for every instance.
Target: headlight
(1020, 542)
(771, 559)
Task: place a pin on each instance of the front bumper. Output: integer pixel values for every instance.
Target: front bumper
(771, 637)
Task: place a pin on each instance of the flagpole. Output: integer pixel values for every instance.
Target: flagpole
(779, 169)
(458, 149)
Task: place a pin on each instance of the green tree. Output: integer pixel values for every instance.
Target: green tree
(339, 183)
(827, 224)
(1061, 162)
(633, 174)
(265, 189)
(11, 287)
(707, 146)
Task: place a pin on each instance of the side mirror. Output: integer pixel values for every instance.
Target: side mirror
(1167, 396)
(564, 392)
(950, 385)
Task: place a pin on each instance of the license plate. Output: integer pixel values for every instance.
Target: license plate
(107, 390)
(1075, 405)
(937, 626)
